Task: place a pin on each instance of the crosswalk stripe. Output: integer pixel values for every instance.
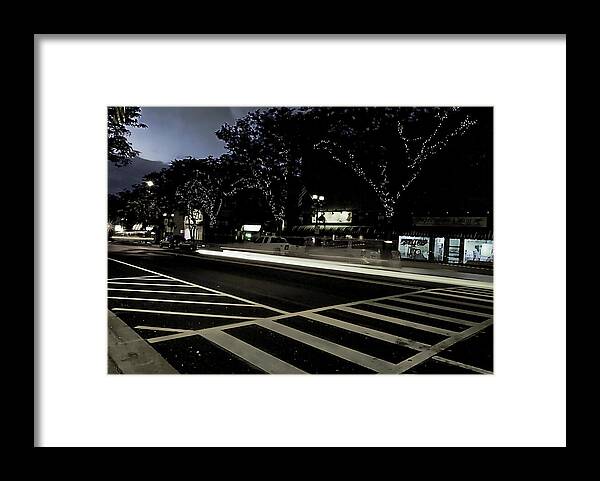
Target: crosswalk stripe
(447, 294)
(167, 292)
(194, 314)
(394, 320)
(460, 364)
(439, 347)
(171, 337)
(181, 302)
(166, 329)
(130, 278)
(444, 308)
(250, 354)
(452, 301)
(146, 284)
(485, 295)
(152, 280)
(421, 313)
(343, 352)
(475, 289)
(367, 331)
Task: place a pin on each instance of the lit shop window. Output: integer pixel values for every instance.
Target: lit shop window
(478, 251)
(453, 251)
(438, 250)
(415, 248)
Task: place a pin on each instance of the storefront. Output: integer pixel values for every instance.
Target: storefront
(193, 227)
(413, 248)
(476, 250)
(455, 248)
(464, 240)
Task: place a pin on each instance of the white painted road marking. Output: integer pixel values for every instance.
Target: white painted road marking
(367, 331)
(146, 284)
(460, 364)
(448, 294)
(452, 301)
(200, 287)
(356, 357)
(262, 360)
(181, 302)
(444, 308)
(132, 278)
(194, 314)
(401, 322)
(166, 329)
(167, 292)
(422, 314)
(439, 347)
(283, 316)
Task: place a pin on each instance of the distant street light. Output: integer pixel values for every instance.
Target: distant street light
(318, 200)
(149, 183)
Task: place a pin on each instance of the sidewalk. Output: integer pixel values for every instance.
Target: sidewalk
(128, 353)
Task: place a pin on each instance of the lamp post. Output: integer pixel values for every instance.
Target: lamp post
(151, 213)
(318, 202)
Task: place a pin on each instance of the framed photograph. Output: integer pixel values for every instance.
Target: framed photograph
(320, 209)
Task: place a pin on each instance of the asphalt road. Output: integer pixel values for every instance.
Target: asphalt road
(209, 315)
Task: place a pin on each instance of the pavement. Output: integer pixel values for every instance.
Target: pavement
(128, 353)
(229, 315)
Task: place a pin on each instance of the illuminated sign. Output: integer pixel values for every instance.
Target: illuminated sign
(251, 228)
(333, 217)
(416, 248)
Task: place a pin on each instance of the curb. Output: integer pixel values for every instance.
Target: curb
(128, 353)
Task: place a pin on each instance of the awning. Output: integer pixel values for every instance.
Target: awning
(452, 234)
(354, 230)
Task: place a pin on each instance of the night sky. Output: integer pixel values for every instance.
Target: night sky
(176, 132)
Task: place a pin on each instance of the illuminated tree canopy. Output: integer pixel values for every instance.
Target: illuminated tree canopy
(388, 147)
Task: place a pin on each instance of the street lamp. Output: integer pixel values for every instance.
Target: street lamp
(318, 201)
(149, 183)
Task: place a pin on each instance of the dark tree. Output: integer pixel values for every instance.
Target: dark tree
(120, 119)
(265, 145)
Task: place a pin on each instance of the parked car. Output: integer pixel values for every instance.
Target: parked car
(172, 241)
(187, 245)
(272, 243)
